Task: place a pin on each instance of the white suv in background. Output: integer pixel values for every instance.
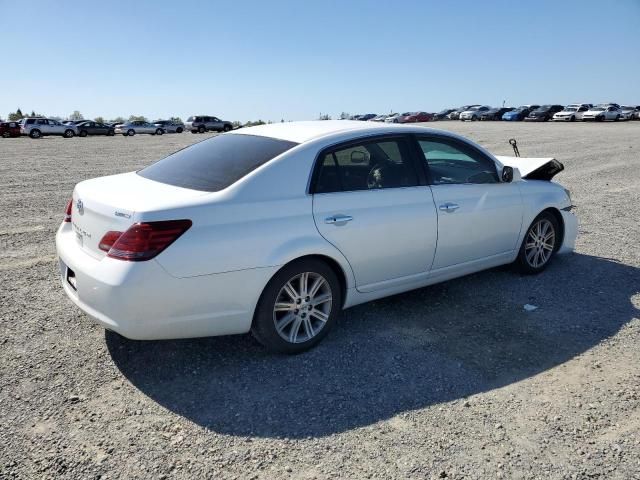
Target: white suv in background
(39, 127)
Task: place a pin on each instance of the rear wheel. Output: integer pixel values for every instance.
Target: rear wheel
(539, 245)
(159, 131)
(226, 128)
(617, 118)
(35, 133)
(179, 130)
(298, 307)
(130, 133)
(83, 133)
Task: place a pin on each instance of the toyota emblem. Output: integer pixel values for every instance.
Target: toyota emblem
(80, 207)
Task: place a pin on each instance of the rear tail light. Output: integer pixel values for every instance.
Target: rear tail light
(143, 241)
(67, 211)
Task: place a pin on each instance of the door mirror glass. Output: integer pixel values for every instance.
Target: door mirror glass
(358, 156)
(507, 174)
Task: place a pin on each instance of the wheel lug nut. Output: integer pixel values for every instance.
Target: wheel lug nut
(307, 299)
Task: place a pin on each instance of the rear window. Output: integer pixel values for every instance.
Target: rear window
(216, 163)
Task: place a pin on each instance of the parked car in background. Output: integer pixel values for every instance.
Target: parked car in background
(474, 113)
(495, 113)
(9, 129)
(169, 126)
(393, 118)
(89, 127)
(544, 113)
(443, 114)
(455, 115)
(42, 127)
(379, 118)
(629, 112)
(206, 123)
(403, 117)
(419, 117)
(602, 112)
(344, 219)
(518, 114)
(572, 112)
(367, 116)
(129, 129)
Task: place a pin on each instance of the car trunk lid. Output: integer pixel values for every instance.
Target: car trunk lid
(111, 204)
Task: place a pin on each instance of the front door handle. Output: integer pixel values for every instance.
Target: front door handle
(338, 219)
(449, 207)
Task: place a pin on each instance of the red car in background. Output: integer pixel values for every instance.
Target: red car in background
(418, 117)
(9, 129)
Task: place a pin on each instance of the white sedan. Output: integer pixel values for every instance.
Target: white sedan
(601, 113)
(275, 229)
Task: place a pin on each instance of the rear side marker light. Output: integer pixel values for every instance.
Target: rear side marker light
(67, 211)
(143, 241)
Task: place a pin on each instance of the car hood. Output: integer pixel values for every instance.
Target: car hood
(533, 168)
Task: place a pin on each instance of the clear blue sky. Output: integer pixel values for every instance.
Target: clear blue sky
(293, 59)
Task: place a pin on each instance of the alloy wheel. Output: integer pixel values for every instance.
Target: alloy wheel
(540, 243)
(302, 307)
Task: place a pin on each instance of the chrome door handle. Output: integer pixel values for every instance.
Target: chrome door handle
(449, 207)
(338, 219)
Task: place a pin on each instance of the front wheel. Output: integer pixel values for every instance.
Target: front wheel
(83, 133)
(298, 307)
(68, 133)
(226, 128)
(539, 245)
(201, 129)
(159, 131)
(131, 133)
(179, 130)
(35, 133)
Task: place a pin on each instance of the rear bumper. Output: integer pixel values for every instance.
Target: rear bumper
(570, 232)
(141, 301)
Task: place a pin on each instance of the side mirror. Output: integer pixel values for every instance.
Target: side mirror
(358, 157)
(507, 174)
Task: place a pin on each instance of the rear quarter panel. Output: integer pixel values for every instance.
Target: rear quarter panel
(264, 220)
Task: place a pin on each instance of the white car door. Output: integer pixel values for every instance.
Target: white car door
(479, 216)
(369, 202)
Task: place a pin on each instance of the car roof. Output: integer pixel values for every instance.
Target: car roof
(306, 131)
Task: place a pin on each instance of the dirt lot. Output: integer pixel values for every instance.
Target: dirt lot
(450, 381)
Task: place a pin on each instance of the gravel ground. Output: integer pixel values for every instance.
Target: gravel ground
(450, 381)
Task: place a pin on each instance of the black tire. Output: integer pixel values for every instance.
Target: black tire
(264, 327)
(226, 128)
(111, 133)
(573, 119)
(527, 265)
(179, 130)
(69, 133)
(201, 129)
(617, 118)
(159, 131)
(6, 135)
(35, 133)
(194, 131)
(131, 132)
(83, 133)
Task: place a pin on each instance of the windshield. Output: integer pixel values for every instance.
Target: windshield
(570, 109)
(627, 107)
(543, 108)
(216, 163)
(597, 109)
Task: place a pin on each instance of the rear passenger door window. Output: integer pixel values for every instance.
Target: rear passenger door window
(451, 162)
(367, 165)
